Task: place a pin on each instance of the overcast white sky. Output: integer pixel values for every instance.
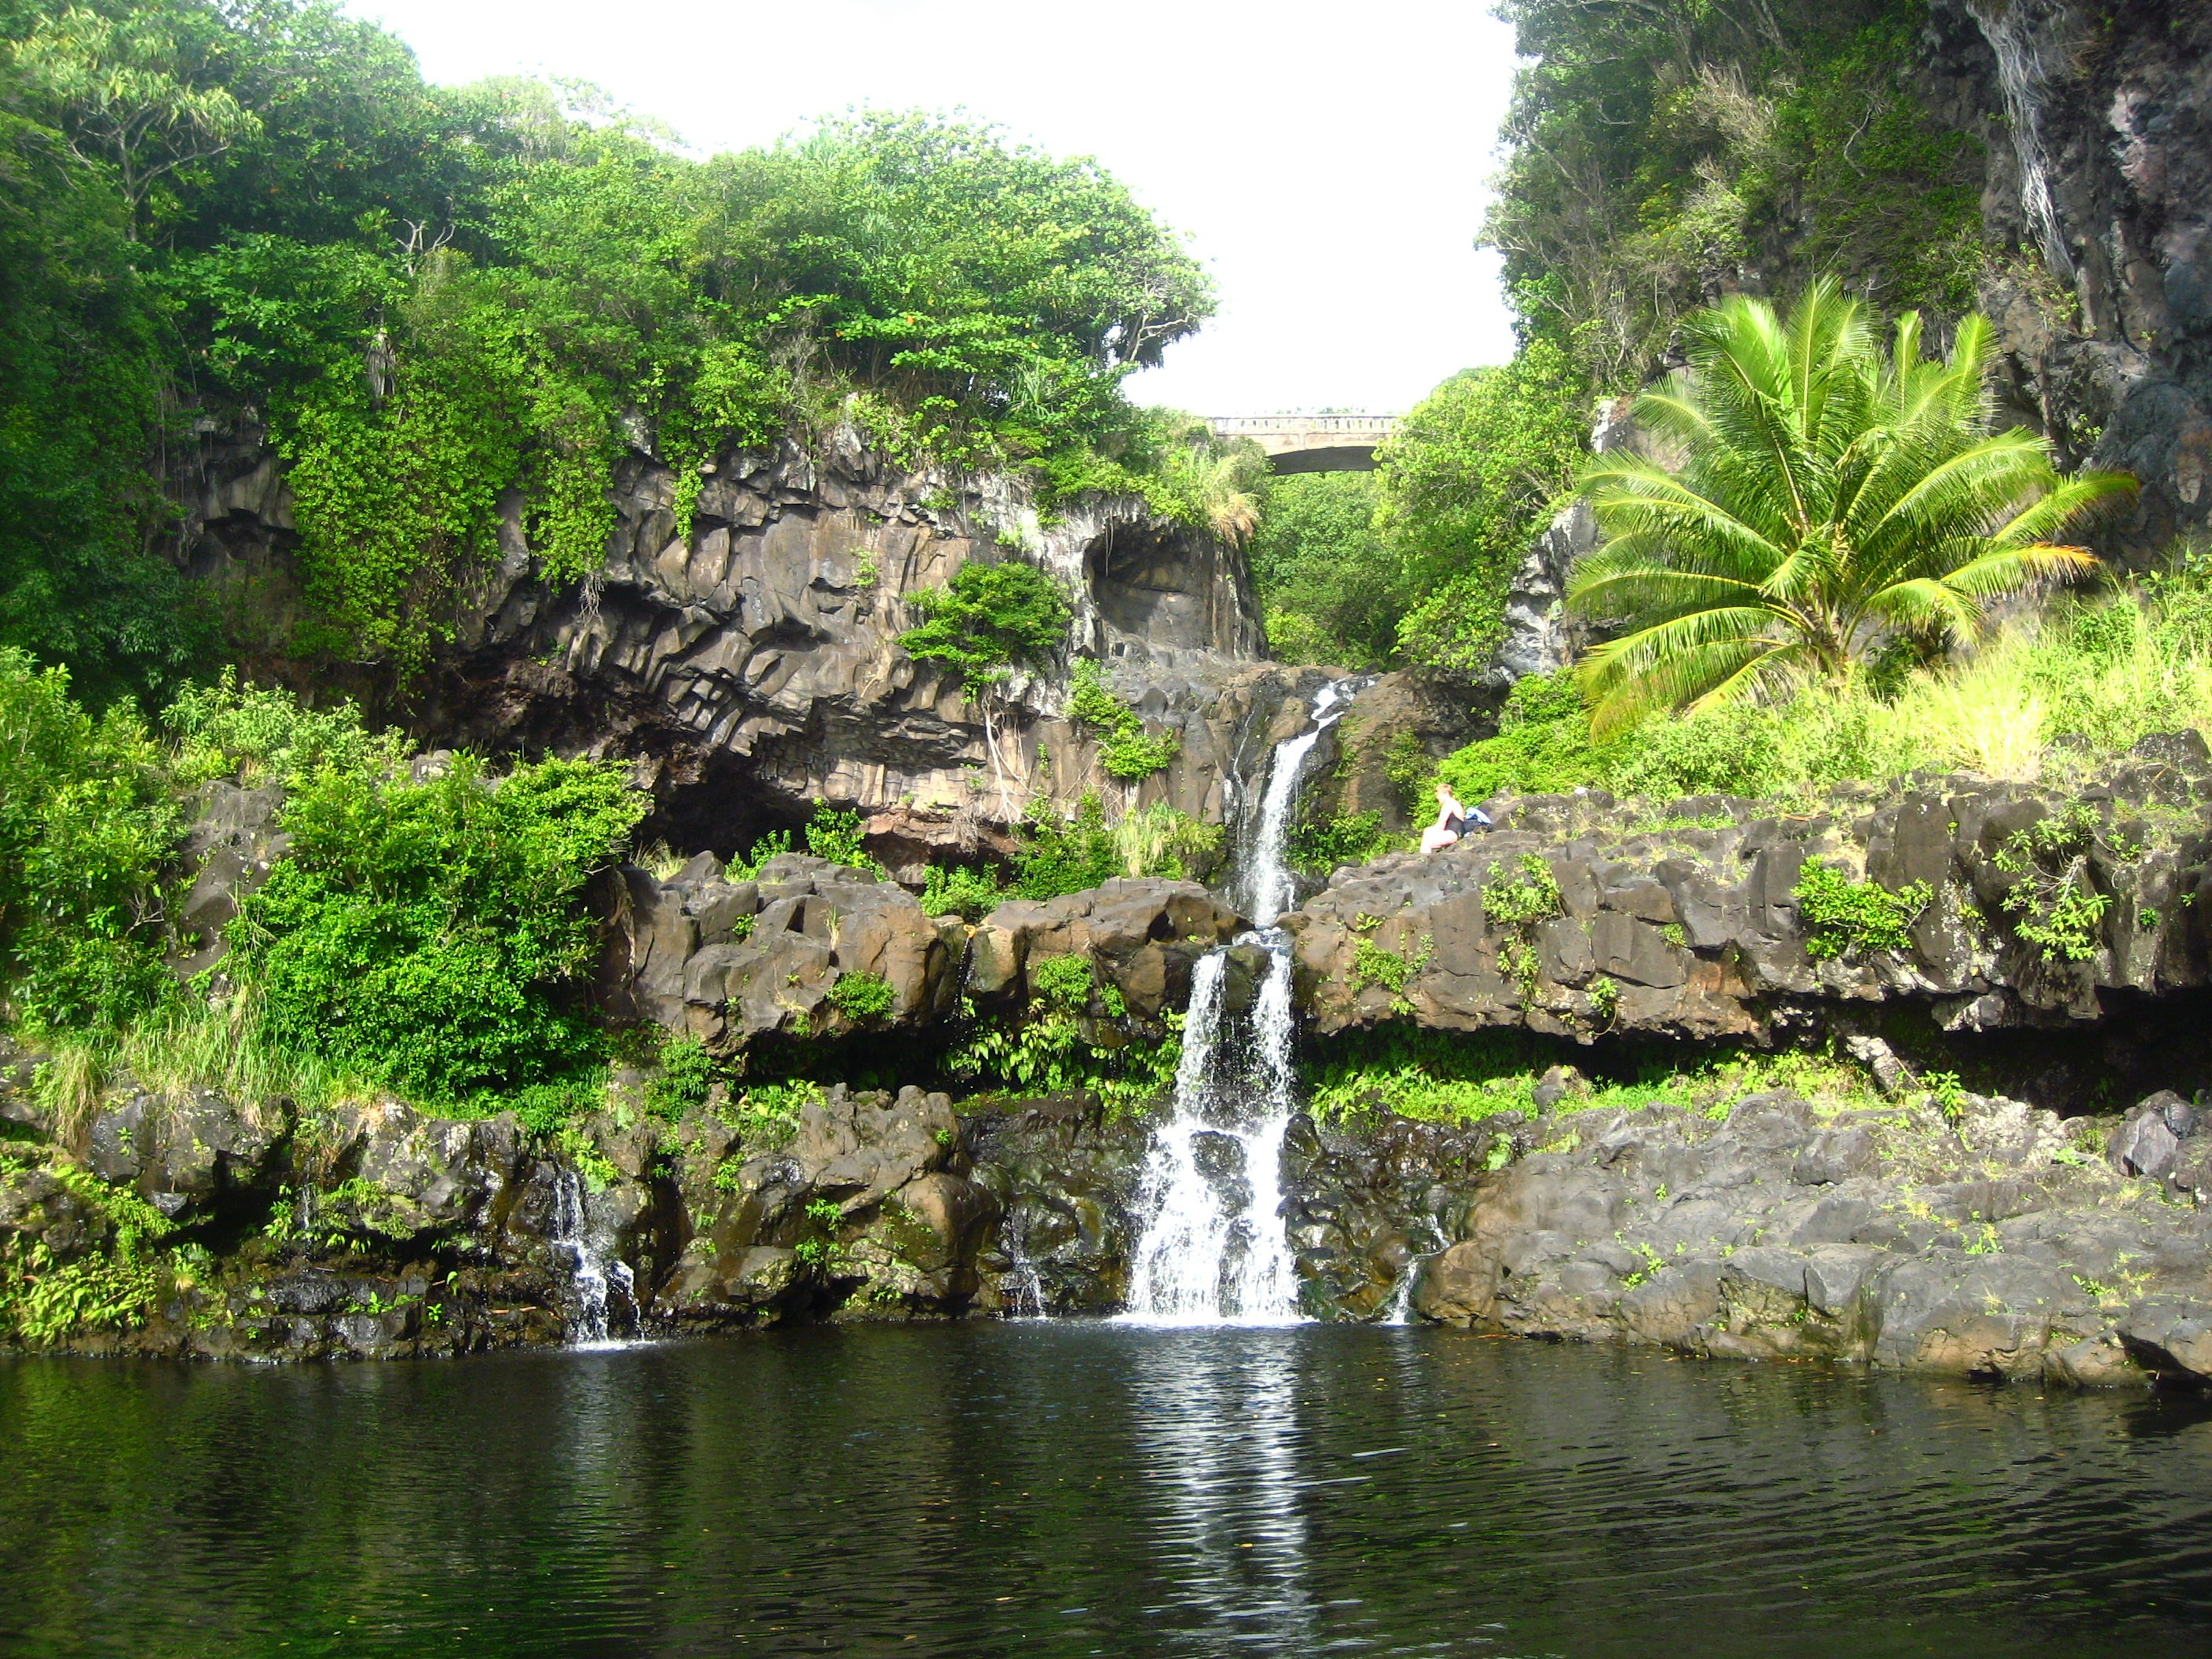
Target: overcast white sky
(1328, 162)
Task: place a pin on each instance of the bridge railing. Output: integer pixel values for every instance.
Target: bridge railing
(1241, 426)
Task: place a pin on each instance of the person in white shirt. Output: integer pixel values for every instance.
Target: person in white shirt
(1453, 821)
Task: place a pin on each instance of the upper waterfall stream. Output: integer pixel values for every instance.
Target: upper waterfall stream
(1214, 1248)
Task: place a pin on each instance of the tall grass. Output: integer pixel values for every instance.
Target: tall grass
(189, 1045)
(2047, 699)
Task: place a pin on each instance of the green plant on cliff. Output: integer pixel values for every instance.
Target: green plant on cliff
(1846, 917)
(1160, 840)
(2053, 896)
(1067, 853)
(1835, 499)
(1521, 904)
(113, 1284)
(1542, 747)
(989, 620)
(1318, 846)
(1126, 749)
(862, 997)
(969, 893)
(432, 933)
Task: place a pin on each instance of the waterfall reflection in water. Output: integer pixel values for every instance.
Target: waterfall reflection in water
(1219, 1436)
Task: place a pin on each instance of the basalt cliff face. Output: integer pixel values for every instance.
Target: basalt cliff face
(2097, 123)
(747, 663)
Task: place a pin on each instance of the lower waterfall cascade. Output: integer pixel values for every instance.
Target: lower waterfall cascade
(1214, 1249)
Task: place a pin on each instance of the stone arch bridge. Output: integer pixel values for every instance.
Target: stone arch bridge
(1311, 443)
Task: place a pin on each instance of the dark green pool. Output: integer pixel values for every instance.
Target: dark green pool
(1079, 1489)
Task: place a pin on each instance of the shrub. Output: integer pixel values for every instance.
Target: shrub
(1127, 750)
(1319, 847)
(969, 893)
(833, 835)
(2053, 896)
(1069, 854)
(862, 997)
(431, 933)
(1062, 982)
(85, 823)
(1845, 916)
(1162, 840)
(687, 1074)
(992, 618)
(261, 732)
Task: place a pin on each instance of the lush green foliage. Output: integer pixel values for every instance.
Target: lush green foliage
(1844, 917)
(1065, 855)
(1328, 575)
(85, 822)
(44, 1300)
(990, 619)
(1660, 152)
(687, 1074)
(1163, 840)
(1542, 746)
(1318, 846)
(2102, 674)
(1073, 1034)
(960, 890)
(1411, 565)
(429, 295)
(862, 997)
(2054, 899)
(1470, 476)
(1126, 749)
(1453, 1076)
(428, 932)
(1834, 502)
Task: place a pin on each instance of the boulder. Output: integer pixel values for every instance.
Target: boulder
(2149, 1141)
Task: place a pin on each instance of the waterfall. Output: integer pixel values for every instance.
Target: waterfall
(1214, 1248)
(592, 1275)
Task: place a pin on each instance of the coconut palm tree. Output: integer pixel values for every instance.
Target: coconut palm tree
(1831, 498)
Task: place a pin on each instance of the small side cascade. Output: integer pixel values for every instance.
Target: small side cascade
(1399, 1309)
(1026, 1300)
(596, 1279)
(1215, 1249)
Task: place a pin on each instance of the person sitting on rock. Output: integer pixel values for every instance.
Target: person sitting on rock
(1453, 821)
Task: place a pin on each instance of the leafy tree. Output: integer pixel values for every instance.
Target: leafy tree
(138, 94)
(1471, 476)
(1330, 580)
(1833, 498)
(85, 823)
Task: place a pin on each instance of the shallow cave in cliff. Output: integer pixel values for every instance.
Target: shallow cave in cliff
(1153, 582)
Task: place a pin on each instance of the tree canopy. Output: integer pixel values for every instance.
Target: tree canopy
(430, 294)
